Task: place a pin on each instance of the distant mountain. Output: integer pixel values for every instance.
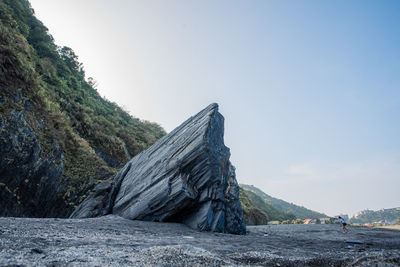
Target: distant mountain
(273, 213)
(280, 207)
(387, 216)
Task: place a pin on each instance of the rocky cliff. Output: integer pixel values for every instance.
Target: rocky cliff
(58, 137)
(27, 175)
(184, 177)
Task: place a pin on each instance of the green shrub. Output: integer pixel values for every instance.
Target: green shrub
(298, 221)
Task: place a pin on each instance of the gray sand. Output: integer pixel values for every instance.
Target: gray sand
(114, 241)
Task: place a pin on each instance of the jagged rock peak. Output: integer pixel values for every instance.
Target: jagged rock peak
(184, 177)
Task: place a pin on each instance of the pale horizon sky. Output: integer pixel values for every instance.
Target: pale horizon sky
(310, 90)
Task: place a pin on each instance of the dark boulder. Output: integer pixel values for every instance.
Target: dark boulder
(185, 177)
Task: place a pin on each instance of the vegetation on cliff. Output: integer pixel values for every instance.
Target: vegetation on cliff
(45, 86)
(252, 214)
(272, 213)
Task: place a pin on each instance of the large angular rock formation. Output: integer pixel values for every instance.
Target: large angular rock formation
(185, 177)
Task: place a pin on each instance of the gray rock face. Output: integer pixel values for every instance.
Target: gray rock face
(29, 178)
(185, 177)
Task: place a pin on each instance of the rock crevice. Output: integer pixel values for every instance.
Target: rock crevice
(185, 177)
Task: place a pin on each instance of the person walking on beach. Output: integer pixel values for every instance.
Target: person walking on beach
(343, 223)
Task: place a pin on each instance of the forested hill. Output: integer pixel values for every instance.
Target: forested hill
(58, 137)
(283, 206)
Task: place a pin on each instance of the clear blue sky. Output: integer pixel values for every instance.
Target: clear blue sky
(310, 90)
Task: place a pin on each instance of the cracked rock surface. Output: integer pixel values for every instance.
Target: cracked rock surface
(115, 241)
(30, 179)
(185, 177)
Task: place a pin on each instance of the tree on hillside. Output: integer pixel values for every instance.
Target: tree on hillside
(71, 59)
(93, 83)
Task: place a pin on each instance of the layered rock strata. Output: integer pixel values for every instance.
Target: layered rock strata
(185, 177)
